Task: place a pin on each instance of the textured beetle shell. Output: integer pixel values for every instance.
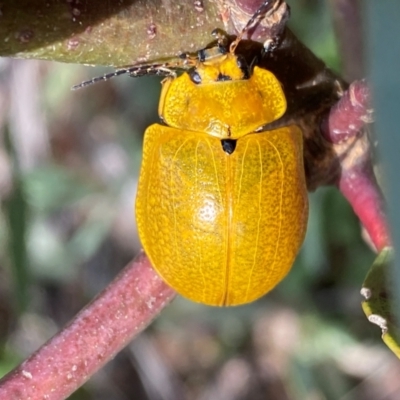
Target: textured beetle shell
(222, 229)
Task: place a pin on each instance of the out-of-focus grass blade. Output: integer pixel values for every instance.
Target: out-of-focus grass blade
(378, 304)
(382, 28)
(15, 210)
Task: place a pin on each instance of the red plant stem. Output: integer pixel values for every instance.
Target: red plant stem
(96, 334)
(360, 188)
(350, 114)
(348, 24)
(357, 181)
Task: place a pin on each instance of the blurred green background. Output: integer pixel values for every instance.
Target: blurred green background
(68, 172)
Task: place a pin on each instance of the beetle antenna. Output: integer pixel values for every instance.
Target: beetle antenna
(105, 77)
(184, 61)
(264, 8)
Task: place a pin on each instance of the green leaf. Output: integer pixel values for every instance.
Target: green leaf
(104, 32)
(378, 304)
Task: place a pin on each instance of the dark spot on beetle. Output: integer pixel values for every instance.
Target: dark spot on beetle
(73, 43)
(198, 5)
(195, 77)
(151, 31)
(24, 36)
(201, 54)
(222, 48)
(228, 145)
(222, 77)
(242, 64)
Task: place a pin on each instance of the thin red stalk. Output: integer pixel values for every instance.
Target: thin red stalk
(357, 181)
(95, 335)
(360, 188)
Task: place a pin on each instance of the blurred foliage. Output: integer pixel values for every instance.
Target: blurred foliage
(103, 33)
(384, 58)
(306, 340)
(378, 304)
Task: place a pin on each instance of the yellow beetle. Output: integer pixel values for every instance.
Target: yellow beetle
(221, 206)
